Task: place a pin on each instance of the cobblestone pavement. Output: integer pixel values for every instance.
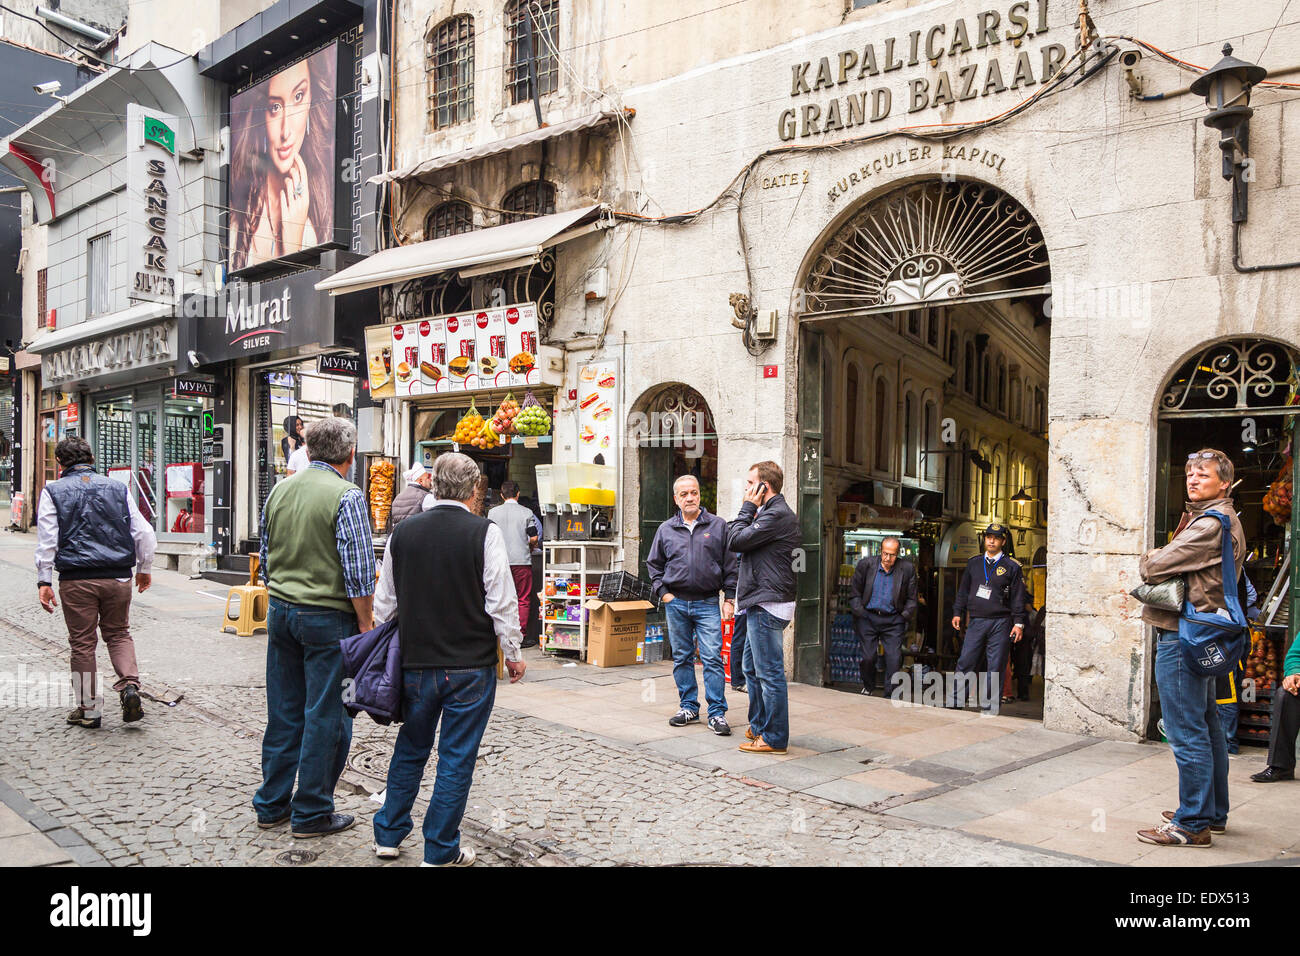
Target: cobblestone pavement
(175, 788)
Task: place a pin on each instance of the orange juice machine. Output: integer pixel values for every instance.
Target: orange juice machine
(577, 501)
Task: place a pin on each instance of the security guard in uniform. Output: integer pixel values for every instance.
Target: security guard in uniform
(992, 590)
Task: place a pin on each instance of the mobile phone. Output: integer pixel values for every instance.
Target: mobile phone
(761, 487)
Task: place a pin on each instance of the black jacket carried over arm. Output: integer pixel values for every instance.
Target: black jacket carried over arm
(766, 540)
(692, 565)
(864, 580)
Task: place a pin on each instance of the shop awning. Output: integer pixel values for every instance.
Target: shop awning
(140, 314)
(508, 246)
(502, 146)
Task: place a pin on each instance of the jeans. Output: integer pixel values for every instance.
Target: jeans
(986, 638)
(308, 732)
(1228, 714)
(769, 708)
(691, 622)
(738, 653)
(887, 629)
(462, 697)
(1195, 736)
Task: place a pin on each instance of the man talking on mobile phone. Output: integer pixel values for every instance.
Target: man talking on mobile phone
(766, 533)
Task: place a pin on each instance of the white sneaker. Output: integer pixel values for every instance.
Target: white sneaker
(466, 857)
(386, 852)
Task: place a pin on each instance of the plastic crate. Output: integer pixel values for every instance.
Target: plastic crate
(621, 586)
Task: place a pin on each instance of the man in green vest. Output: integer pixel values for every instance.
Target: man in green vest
(319, 566)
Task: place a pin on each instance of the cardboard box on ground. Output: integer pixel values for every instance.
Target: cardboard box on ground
(614, 628)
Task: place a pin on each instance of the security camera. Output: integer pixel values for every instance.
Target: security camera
(49, 88)
(1130, 58)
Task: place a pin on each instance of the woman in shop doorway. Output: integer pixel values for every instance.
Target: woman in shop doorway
(292, 442)
(282, 163)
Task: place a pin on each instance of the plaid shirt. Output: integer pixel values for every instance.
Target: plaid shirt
(352, 536)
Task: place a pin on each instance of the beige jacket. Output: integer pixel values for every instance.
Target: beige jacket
(1196, 552)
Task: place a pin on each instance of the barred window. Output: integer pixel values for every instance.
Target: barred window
(449, 62)
(449, 219)
(545, 24)
(527, 201)
(99, 280)
(42, 298)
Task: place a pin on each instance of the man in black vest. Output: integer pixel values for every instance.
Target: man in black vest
(89, 529)
(992, 589)
(883, 603)
(446, 575)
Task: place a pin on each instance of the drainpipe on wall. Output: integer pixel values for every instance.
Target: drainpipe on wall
(76, 26)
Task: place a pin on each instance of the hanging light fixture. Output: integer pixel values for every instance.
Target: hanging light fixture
(1022, 497)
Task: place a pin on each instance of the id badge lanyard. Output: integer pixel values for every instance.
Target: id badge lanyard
(986, 592)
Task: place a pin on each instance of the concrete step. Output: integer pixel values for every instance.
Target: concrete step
(228, 578)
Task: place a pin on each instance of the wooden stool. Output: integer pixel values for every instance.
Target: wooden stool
(253, 602)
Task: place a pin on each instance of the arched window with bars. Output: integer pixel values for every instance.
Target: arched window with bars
(537, 21)
(528, 201)
(449, 219)
(449, 64)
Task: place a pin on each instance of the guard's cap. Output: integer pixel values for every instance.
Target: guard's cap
(998, 529)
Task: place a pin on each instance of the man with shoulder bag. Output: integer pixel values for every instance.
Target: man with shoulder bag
(1187, 694)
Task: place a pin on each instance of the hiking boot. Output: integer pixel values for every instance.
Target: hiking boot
(682, 718)
(1170, 834)
(326, 825)
(79, 718)
(1214, 827)
(1268, 775)
(131, 709)
(465, 857)
(720, 726)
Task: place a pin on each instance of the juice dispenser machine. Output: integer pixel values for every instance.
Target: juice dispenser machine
(577, 501)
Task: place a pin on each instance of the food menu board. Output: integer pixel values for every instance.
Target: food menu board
(598, 412)
(464, 352)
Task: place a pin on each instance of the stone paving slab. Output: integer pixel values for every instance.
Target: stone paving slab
(31, 849)
(849, 792)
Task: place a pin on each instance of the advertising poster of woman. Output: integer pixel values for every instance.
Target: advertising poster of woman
(282, 162)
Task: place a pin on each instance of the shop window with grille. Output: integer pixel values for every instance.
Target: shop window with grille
(538, 21)
(528, 201)
(449, 63)
(449, 219)
(99, 285)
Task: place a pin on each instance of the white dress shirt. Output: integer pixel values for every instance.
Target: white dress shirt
(47, 538)
(501, 603)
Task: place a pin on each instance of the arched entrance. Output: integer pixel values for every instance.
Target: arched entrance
(675, 436)
(923, 375)
(1241, 396)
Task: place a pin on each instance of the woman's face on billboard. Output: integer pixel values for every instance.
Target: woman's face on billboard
(288, 96)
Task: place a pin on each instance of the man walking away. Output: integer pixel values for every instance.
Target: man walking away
(766, 532)
(410, 499)
(89, 529)
(319, 565)
(883, 603)
(1187, 699)
(519, 530)
(992, 589)
(688, 565)
(446, 575)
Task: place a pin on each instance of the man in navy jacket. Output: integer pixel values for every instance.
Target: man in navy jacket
(689, 564)
(883, 603)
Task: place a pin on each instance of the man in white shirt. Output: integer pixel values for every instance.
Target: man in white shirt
(90, 530)
(298, 461)
(446, 576)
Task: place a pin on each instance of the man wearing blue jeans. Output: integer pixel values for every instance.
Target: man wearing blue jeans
(446, 576)
(766, 534)
(1187, 700)
(688, 565)
(319, 566)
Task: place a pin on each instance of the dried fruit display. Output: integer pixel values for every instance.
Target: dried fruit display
(1278, 499)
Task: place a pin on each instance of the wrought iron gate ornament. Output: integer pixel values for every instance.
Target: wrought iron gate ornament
(1238, 375)
(928, 242)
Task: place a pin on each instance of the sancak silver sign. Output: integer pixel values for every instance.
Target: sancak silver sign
(122, 352)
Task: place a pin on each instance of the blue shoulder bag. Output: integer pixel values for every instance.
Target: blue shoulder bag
(1211, 643)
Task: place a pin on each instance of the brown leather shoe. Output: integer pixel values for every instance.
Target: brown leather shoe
(749, 734)
(1170, 834)
(759, 746)
(1214, 827)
